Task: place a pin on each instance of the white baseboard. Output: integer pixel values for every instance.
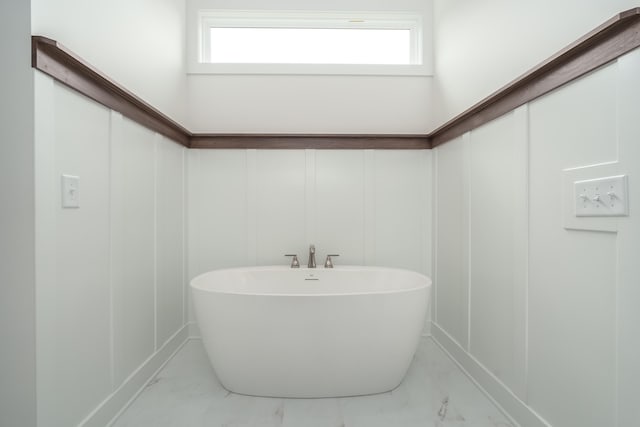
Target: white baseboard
(512, 406)
(107, 412)
(194, 330)
(426, 331)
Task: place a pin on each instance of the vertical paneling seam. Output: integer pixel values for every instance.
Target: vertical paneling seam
(115, 121)
(369, 200)
(195, 196)
(528, 237)
(310, 195)
(521, 245)
(156, 154)
(434, 233)
(616, 320)
(424, 169)
(198, 216)
(466, 209)
(527, 135)
(252, 213)
(185, 230)
(425, 174)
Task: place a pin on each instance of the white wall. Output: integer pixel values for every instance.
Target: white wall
(535, 304)
(481, 46)
(17, 251)
(139, 44)
(110, 274)
(311, 103)
(250, 207)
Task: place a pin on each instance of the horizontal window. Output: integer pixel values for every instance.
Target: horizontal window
(309, 46)
(258, 42)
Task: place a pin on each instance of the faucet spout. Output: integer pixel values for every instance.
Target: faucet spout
(312, 257)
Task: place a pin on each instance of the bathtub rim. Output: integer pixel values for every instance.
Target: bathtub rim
(194, 285)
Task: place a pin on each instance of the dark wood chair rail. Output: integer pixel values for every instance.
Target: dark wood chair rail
(609, 41)
(606, 43)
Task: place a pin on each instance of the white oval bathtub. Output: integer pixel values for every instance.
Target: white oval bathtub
(282, 332)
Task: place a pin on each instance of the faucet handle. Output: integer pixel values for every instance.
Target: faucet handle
(329, 263)
(294, 261)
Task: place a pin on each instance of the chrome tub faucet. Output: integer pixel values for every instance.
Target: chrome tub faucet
(312, 257)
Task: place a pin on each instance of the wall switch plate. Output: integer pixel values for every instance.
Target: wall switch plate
(70, 191)
(601, 196)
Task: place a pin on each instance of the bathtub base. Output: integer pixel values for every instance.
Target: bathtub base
(305, 349)
(311, 346)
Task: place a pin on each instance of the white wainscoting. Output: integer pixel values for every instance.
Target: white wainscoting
(538, 314)
(110, 274)
(250, 207)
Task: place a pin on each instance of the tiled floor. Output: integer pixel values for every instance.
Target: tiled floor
(435, 393)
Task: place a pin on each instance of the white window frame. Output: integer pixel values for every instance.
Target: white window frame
(199, 41)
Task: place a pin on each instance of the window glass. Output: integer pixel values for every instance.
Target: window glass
(310, 45)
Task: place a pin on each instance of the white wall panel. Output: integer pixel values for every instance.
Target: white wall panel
(628, 291)
(402, 216)
(98, 310)
(132, 250)
(17, 220)
(74, 318)
(280, 205)
(170, 207)
(46, 205)
(553, 322)
(581, 349)
(339, 205)
(542, 314)
(309, 104)
(572, 293)
(218, 210)
(497, 211)
(194, 229)
(250, 207)
(451, 206)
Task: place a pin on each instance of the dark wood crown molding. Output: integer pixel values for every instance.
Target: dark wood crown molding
(609, 41)
(297, 141)
(614, 38)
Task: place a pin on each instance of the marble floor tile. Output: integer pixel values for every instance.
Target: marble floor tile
(434, 393)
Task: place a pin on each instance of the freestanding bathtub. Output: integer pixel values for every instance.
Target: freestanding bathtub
(282, 332)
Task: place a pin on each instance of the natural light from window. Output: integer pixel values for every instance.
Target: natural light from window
(310, 46)
(293, 42)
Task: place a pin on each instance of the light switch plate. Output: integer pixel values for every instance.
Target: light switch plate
(601, 196)
(585, 173)
(70, 191)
